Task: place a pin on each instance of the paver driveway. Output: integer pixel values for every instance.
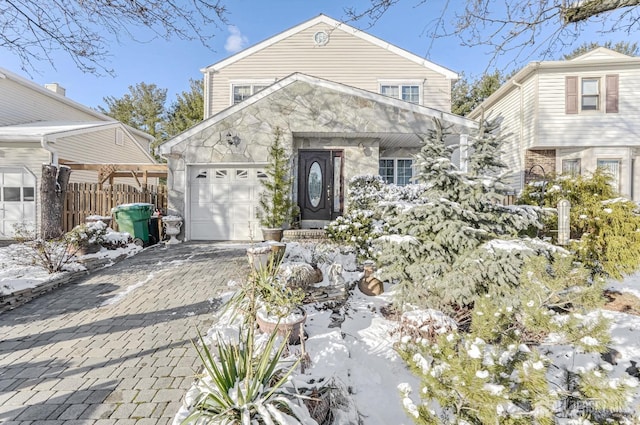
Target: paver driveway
(114, 347)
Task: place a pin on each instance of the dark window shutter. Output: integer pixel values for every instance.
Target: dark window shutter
(612, 94)
(571, 95)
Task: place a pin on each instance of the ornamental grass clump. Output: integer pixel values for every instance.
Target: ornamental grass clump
(247, 384)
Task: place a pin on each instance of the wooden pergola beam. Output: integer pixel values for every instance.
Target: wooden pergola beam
(138, 168)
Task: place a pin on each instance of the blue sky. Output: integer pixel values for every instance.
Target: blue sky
(170, 64)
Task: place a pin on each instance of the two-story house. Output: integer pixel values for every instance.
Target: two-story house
(571, 117)
(41, 125)
(346, 103)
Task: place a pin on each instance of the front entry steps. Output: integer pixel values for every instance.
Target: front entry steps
(304, 235)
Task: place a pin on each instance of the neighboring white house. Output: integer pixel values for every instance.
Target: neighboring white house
(571, 117)
(346, 103)
(40, 125)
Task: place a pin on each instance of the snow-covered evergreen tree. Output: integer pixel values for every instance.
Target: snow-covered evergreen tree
(439, 253)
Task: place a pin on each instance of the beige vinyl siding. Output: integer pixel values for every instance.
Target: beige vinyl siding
(100, 147)
(589, 127)
(346, 59)
(20, 104)
(29, 156)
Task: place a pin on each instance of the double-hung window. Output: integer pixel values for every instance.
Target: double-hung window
(242, 91)
(407, 91)
(396, 171)
(590, 94)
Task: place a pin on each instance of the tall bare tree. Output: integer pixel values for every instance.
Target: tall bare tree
(84, 29)
(522, 27)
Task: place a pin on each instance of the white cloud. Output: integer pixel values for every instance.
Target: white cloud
(236, 41)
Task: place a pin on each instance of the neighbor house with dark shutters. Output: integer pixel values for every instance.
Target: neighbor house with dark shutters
(571, 117)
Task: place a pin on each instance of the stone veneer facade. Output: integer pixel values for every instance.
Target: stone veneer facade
(309, 117)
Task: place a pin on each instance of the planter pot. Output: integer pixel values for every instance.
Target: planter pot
(259, 257)
(293, 324)
(172, 225)
(274, 234)
(369, 285)
(277, 252)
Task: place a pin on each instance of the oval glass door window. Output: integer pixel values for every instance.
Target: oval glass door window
(314, 184)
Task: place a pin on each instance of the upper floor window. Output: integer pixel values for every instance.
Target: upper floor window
(409, 92)
(243, 91)
(591, 94)
(396, 171)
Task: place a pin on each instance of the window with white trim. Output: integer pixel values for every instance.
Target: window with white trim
(571, 167)
(241, 92)
(590, 94)
(612, 166)
(409, 92)
(396, 170)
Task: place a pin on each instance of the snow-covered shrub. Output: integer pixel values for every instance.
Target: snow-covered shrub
(500, 371)
(97, 233)
(356, 229)
(605, 229)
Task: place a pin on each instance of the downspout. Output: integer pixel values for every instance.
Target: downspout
(521, 135)
(53, 154)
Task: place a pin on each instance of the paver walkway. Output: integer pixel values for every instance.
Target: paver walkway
(114, 347)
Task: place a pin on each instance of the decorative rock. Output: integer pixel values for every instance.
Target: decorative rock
(298, 274)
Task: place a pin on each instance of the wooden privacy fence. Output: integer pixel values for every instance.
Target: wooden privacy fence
(86, 199)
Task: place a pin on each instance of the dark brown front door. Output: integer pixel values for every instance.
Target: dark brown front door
(320, 184)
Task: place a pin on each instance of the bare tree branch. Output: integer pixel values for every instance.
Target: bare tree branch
(584, 10)
(34, 30)
(522, 28)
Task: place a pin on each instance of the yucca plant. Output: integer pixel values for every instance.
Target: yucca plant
(246, 386)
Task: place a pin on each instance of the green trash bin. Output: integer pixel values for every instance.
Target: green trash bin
(134, 219)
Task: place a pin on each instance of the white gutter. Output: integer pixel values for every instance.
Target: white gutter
(44, 142)
(521, 135)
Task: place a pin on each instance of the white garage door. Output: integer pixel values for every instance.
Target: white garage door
(224, 202)
(17, 199)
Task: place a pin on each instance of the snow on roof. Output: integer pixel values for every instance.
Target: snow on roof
(51, 129)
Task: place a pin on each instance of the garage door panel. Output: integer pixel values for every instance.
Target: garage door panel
(225, 207)
(206, 211)
(17, 199)
(242, 194)
(210, 231)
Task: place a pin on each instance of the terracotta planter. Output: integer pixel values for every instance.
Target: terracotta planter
(272, 234)
(369, 285)
(294, 327)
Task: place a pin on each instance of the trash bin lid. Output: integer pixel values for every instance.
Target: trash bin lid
(134, 206)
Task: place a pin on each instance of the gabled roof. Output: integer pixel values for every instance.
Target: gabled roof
(165, 148)
(50, 131)
(339, 26)
(594, 59)
(4, 73)
(600, 53)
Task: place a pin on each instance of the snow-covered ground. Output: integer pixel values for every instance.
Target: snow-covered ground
(358, 355)
(17, 271)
